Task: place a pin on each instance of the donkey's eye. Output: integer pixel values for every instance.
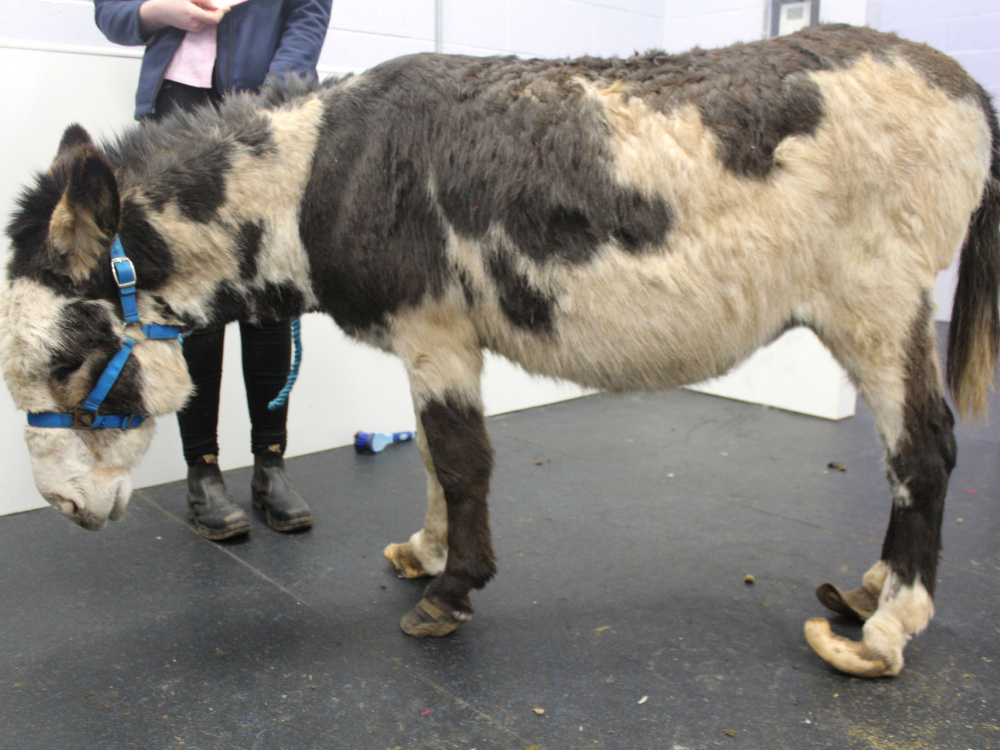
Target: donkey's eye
(64, 371)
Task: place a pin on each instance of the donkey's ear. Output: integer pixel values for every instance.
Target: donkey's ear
(73, 137)
(86, 218)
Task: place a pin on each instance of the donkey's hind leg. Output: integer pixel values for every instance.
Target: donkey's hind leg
(444, 362)
(916, 426)
(426, 552)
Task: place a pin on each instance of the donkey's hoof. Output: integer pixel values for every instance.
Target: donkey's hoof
(404, 562)
(859, 603)
(430, 620)
(848, 656)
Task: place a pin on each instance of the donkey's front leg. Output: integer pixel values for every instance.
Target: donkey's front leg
(426, 552)
(463, 460)
(440, 348)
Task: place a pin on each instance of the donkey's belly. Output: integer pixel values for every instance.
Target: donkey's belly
(639, 335)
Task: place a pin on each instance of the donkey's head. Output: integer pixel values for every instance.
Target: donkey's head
(62, 323)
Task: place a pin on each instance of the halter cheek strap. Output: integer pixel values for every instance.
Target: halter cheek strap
(86, 417)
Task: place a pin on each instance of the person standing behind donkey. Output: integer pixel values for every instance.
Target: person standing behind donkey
(195, 53)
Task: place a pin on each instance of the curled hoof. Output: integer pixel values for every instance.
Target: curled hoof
(430, 620)
(846, 655)
(404, 562)
(859, 603)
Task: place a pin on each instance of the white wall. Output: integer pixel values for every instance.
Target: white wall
(56, 68)
(712, 23)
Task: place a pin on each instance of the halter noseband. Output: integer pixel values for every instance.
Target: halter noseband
(86, 417)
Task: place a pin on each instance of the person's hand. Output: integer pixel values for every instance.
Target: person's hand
(190, 15)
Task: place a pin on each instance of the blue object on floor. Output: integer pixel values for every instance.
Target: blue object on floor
(373, 442)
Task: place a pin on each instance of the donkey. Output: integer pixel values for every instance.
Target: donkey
(628, 224)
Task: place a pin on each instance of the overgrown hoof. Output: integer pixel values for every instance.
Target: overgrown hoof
(859, 603)
(404, 562)
(430, 620)
(848, 656)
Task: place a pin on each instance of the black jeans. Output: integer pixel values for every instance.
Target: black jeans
(266, 350)
(267, 354)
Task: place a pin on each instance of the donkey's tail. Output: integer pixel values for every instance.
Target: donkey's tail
(974, 336)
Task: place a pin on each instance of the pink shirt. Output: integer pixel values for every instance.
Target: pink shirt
(194, 60)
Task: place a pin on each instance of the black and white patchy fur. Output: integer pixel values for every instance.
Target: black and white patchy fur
(633, 223)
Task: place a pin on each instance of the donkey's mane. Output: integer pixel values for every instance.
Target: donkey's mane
(149, 148)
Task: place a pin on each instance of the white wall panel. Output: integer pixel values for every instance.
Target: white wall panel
(385, 17)
(683, 32)
(550, 28)
(472, 25)
(617, 34)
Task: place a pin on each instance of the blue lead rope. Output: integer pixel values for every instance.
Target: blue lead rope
(282, 398)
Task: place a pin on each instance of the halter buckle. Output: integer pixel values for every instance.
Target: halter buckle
(124, 278)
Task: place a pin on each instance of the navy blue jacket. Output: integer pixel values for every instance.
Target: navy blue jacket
(256, 39)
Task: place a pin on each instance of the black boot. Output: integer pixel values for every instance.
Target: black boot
(273, 492)
(210, 506)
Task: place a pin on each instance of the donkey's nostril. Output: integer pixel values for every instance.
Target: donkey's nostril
(64, 506)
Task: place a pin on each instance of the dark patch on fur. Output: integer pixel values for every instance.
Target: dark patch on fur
(751, 126)
(468, 290)
(524, 305)
(538, 170)
(257, 136)
(197, 186)
(248, 247)
(640, 222)
(84, 328)
(146, 247)
(531, 154)
(125, 396)
(758, 94)
(463, 462)
(923, 463)
(271, 303)
(227, 303)
(87, 342)
(275, 302)
(374, 238)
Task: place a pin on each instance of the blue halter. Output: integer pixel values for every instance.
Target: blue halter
(86, 417)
